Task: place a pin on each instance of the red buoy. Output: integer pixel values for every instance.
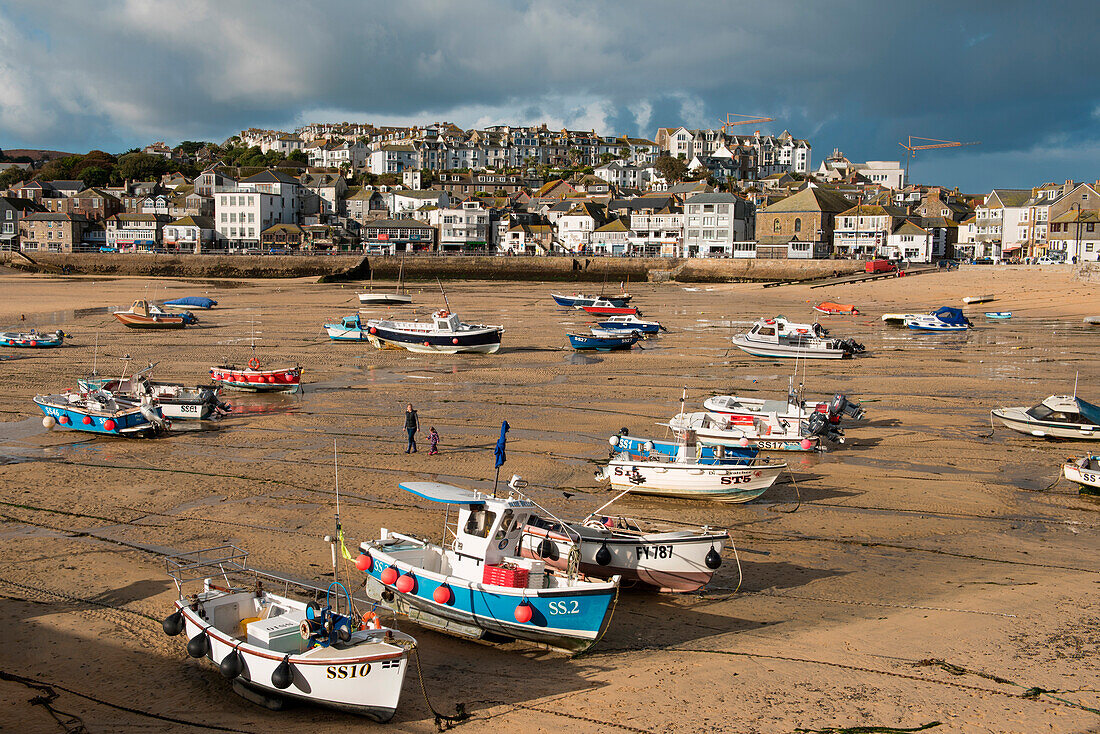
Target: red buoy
(455, 341)
(427, 344)
(373, 330)
(524, 612)
(271, 378)
(364, 562)
(63, 420)
(406, 583)
(34, 344)
(442, 594)
(87, 420)
(807, 444)
(108, 425)
(389, 576)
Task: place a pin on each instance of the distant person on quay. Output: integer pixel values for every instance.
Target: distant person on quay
(412, 425)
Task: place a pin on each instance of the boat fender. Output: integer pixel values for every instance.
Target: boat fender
(232, 665)
(198, 645)
(614, 441)
(647, 446)
(548, 550)
(283, 675)
(172, 624)
(713, 559)
(603, 555)
(523, 612)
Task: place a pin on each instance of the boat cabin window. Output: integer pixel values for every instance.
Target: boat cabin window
(767, 331)
(479, 523)
(505, 524)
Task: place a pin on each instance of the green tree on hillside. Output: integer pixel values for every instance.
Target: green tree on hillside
(142, 167)
(672, 169)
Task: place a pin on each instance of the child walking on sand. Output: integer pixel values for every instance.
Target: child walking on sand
(433, 441)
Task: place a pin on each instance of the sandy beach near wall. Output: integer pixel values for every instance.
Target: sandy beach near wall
(919, 573)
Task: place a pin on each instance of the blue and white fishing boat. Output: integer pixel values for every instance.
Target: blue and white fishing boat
(998, 314)
(191, 302)
(695, 471)
(478, 583)
(350, 329)
(625, 444)
(631, 322)
(32, 339)
(604, 342)
(945, 318)
(580, 300)
(102, 412)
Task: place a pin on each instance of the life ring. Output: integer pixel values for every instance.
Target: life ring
(254, 363)
(371, 621)
(444, 314)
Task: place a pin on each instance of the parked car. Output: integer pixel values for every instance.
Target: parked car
(879, 266)
(1045, 260)
(983, 261)
(948, 264)
(108, 249)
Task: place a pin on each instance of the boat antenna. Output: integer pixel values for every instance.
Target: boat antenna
(615, 499)
(445, 301)
(95, 356)
(683, 399)
(339, 531)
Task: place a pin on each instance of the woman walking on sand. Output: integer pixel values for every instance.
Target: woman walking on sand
(412, 425)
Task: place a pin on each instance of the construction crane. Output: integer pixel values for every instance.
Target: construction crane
(929, 144)
(728, 122)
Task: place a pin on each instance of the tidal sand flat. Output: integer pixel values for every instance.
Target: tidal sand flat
(924, 571)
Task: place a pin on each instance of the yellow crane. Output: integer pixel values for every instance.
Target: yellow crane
(749, 119)
(928, 144)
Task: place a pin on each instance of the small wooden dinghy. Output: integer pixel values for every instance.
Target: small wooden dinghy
(272, 647)
(1085, 472)
(836, 309)
(142, 316)
(971, 300)
(32, 339)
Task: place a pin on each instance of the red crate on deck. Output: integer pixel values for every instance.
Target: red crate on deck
(508, 575)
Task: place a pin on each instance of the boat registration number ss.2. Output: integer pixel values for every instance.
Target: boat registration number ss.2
(339, 672)
(564, 607)
(654, 551)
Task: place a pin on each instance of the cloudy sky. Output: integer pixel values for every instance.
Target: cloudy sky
(860, 76)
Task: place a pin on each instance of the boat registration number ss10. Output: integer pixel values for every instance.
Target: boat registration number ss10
(654, 551)
(339, 672)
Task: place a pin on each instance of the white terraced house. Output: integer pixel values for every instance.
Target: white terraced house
(242, 212)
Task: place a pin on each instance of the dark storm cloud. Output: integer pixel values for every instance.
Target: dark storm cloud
(854, 75)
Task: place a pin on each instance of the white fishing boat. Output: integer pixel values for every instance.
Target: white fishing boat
(765, 431)
(779, 337)
(1059, 416)
(693, 472)
(942, 319)
(1084, 472)
(602, 546)
(445, 333)
(273, 647)
(384, 298)
(795, 408)
(970, 300)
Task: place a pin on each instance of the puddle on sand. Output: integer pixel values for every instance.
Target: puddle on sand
(577, 358)
(63, 317)
(243, 404)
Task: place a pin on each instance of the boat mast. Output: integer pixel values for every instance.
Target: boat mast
(400, 275)
(339, 531)
(445, 301)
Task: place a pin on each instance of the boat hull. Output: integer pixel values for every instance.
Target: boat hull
(136, 321)
(611, 310)
(719, 483)
(582, 301)
(247, 379)
(339, 333)
(668, 562)
(1019, 421)
(1083, 475)
(31, 341)
(482, 341)
(570, 618)
(128, 422)
(384, 299)
(602, 343)
(373, 690)
(764, 349)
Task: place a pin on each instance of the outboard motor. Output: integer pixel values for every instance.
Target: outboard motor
(209, 396)
(840, 405)
(146, 408)
(820, 425)
(851, 346)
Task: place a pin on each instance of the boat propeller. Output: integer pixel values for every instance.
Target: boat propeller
(172, 624)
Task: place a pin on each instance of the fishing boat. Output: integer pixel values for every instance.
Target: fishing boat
(605, 307)
(690, 474)
(602, 546)
(102, 412)
(142, 316)
(1084, 472)
(273, 647)
(477, 584)
(836, 309)
(445, 333)
(971, 300)
(350, 329)
(191, 302)
(779, 337)
(898, 319)
(175, 401)
(766, 431)
(602, 342)
(631, 322)
(623, 442)
(1059, 416)
(998, 314)
(580, 300)
(796, 407)
(944, 318)
(253, 378)
(398, 298)
(32, 339)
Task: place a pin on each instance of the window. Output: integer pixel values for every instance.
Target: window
(1090, 227)
(775, 225)
(798, 225)
(479, 523)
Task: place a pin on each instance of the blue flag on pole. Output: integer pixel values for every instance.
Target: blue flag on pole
(501, 458)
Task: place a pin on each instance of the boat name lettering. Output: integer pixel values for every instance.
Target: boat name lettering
(772, 444)
(189, 408)
(739, 479)
(654, 551)
(1088, 477)
(339, 672)
(564, 607)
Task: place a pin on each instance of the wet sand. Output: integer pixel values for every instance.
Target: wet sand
(917, 540)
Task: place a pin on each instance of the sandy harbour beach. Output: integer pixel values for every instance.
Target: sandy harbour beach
(921, 572)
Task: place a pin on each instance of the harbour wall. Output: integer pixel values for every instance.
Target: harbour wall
(428, 267)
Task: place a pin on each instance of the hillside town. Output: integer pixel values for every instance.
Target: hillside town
(503, 190)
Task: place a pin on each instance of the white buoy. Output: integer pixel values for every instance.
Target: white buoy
(48, 422)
